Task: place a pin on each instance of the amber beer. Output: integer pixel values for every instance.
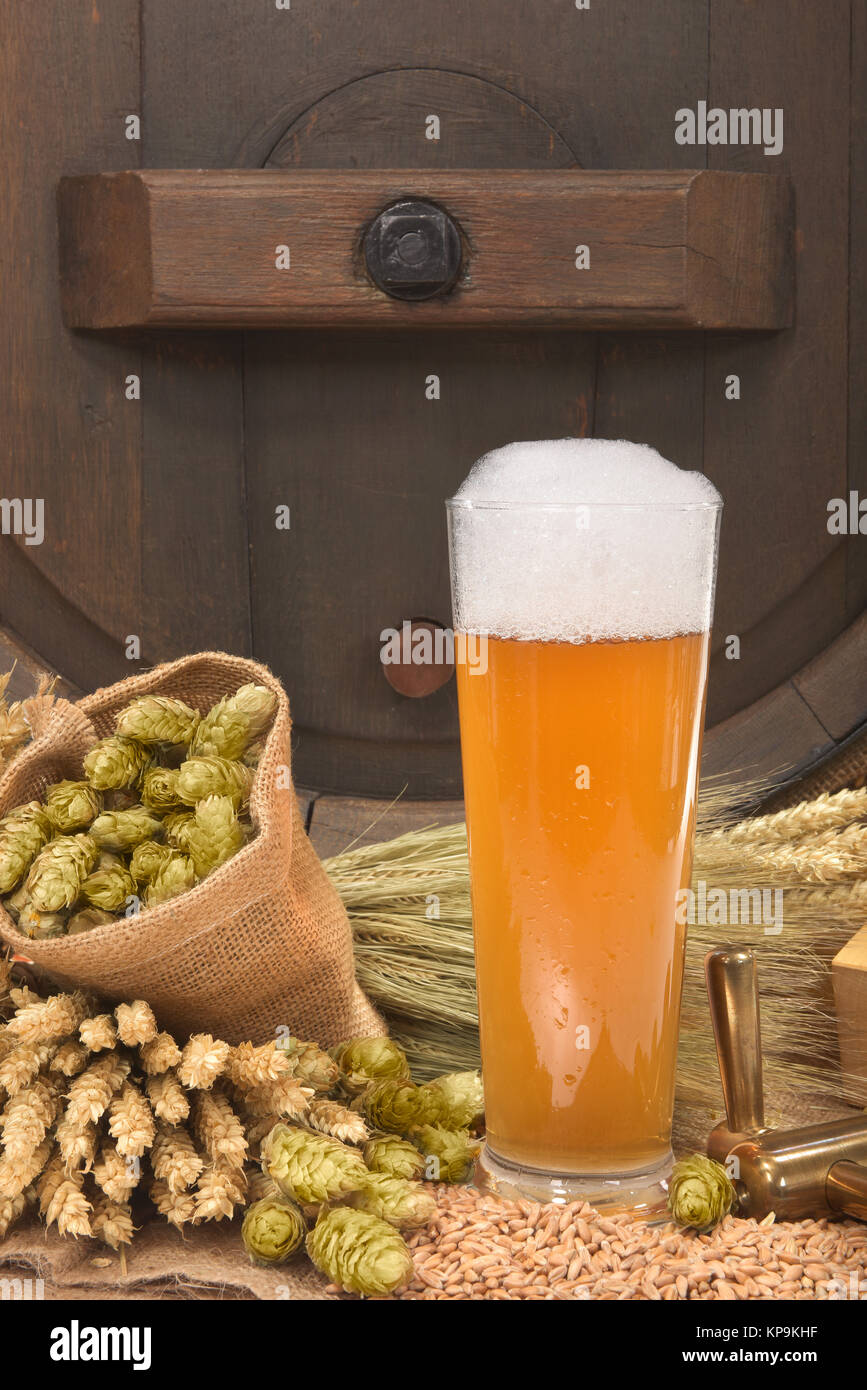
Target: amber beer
(580, 758)
(578, 952)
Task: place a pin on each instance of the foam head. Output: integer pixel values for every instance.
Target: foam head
(583, 540)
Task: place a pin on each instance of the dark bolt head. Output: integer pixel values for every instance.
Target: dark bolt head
(413, 250)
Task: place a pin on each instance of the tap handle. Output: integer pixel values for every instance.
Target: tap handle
(846, 1189)
(733, 993)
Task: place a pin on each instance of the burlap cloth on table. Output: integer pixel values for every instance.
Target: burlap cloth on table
(207, 1262)
(263, 943)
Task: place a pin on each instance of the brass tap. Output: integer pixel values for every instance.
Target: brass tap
(809, 1171)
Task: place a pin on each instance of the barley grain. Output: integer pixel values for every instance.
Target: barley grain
(478, 1247)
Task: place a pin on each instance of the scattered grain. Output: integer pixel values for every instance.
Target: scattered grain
(482, 1247)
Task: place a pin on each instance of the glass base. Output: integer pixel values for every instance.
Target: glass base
(643, 1194)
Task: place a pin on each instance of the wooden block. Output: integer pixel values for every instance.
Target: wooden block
(668, 249)
(849, 975)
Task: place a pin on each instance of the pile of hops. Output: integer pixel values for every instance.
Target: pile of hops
(162, 805)
(350, 1168)
(105, 1117)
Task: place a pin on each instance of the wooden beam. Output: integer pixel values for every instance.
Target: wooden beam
(338, 822)
(28, 668)
(669, 249)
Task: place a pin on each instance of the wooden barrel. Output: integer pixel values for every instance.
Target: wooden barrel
(280, 493)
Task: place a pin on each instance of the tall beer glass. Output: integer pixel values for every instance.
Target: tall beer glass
(582, 646)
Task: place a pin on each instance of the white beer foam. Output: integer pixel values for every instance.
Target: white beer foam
(604, 540)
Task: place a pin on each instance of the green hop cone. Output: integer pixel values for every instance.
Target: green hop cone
(257, 703)
(394, 1157)
(40, 926)
(173, 878)
(123, 830)
(462, 1100)
(147, 858)
(87, 919)
(71, 806)
(159, 789)
(234, 723)
(109, 885)
(199, 778)
(17, 902)
(50, 925)
(359, 1252)
(115, 763)
(400, 1203)
(362, 1060)
(397, 1106)
(57, 873)
(252, 756)
(310, 1167)
(450, 1154)
(23, 833)
(215, 834)
(177, 825)
(27, 811)
(221, 734)
(310, 1065)
(699, 1192)
(158, 719)
(272, 1231)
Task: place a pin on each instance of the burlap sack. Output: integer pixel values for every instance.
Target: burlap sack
(263, 943)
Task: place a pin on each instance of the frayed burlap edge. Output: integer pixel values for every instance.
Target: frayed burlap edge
(208, 1262)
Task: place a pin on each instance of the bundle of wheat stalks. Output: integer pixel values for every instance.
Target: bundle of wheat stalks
(409, 904)
(21, 720)
(99, 1108)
